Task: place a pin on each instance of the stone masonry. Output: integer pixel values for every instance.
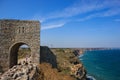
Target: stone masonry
(13, 34)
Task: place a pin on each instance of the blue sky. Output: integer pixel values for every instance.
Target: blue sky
(70, 23)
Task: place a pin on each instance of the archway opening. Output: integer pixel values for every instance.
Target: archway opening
(18, 53)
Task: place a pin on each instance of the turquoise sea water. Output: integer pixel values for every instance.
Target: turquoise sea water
(102, 64)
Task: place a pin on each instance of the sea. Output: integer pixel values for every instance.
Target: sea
(102, 64)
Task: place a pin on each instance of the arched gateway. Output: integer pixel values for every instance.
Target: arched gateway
(13, 34)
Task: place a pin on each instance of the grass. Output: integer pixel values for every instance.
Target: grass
(49, 73)
(23, 52)
(64, 58)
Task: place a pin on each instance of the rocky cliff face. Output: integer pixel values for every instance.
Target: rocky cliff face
(68, 63)
(65, 61)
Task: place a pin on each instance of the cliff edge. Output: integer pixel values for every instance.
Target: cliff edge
(65, 61)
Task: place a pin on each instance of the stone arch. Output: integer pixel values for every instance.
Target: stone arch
(13, 56)
(13, 35)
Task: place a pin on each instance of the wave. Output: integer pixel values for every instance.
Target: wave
(90, 77)
(81, 59)
(81, 55)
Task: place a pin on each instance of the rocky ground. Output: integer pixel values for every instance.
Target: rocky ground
(22, 71)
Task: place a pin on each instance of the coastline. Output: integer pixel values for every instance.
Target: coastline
(81, 54)
(69, 63)
(65, 62)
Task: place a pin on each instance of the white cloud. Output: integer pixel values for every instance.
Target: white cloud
(93, 8)
(50, 26)
(107, 13)
(111, 12)
(86, 6)
(88, 17)
(75, 9)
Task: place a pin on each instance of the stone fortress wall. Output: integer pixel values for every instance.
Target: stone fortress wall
(13, 34)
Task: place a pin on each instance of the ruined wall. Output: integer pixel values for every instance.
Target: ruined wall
(47, 56)
(13, 34)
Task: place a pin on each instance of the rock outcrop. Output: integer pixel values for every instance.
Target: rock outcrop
(23, 71)
(78, 71)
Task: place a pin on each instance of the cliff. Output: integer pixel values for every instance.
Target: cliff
(65, 61)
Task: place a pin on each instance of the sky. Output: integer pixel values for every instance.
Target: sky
(70, 23)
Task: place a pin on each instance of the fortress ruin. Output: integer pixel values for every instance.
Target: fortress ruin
(13, 34)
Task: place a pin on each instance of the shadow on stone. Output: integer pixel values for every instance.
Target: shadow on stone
(1, 69)
(46, 55)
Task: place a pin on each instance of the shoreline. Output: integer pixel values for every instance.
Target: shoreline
(71, 61)
(88, 76)
(98, 68)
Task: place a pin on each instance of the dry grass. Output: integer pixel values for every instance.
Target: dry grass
(48, 73)
(23, 52)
